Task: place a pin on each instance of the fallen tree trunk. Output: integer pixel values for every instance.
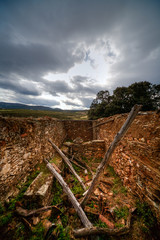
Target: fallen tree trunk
(70, 195)
(68, 164)
(108, 154)
(83, 232)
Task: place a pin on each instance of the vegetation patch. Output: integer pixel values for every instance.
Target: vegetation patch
(145, 216)
(122, 212)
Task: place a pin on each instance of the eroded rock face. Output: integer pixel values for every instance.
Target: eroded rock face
(23, 144)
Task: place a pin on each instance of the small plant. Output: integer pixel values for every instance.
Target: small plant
(119, 225)
(77, 189)
(85, 159)
(123, 190)
(77, 169)
(121, 212)
(101, 224)
(146, 215)
(5, 219)
(115, 191)
(38, 232)
(57, 199)
(111, 171)
(62, 233)
(64, 219)
(92, 204)
(20, 231)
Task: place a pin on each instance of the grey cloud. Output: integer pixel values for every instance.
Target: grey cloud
(86, 102)
(18, 86)
(71, 103)
(56, 87)
(34, 60)
(76, 87)
(35, 101)
(38, 37)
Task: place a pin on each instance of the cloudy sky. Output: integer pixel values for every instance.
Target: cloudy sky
(60, 53)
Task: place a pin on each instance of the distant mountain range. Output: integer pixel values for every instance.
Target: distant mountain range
(4, 105)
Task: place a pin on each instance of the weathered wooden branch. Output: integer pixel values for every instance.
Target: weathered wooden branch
(70, 195)
(68, 163)
(26, 213)
(99, 124)
(27, 224)
(75, 163)
(81, 163)
(105, 231)
(108, 154)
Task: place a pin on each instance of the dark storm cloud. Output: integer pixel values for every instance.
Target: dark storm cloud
(37, 37)
(18, 86)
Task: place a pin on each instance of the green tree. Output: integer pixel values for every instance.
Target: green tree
(124, 98)
(97, 108)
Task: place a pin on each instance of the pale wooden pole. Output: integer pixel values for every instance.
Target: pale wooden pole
(68, 164)
(70, 195)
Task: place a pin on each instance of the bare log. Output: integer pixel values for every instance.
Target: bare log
(26, 213)
(68, 164)
(55, 166)
(83, 232)
(70, 195)
(81, 163)
(74, 162)
(108, 154)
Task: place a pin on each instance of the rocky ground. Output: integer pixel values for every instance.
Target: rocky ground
(109, 206)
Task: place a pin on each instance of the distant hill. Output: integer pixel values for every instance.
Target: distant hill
(4, 105)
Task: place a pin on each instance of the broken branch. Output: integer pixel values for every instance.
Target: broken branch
(105, 231)
(77, 164)
(68, 164)
(99, 124)
(70, 195)
(26, 213)
(108, 154)
(81, 163)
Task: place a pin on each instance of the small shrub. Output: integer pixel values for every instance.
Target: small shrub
(119, 225)
(123, 190)
(77, 189)
(111, 171)
(20, 232)
(5, 219)
(146, 215)
(91, 205)
(121, 212)
(62, 233)
(101, 224)
(38, 232)
(57, 193)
